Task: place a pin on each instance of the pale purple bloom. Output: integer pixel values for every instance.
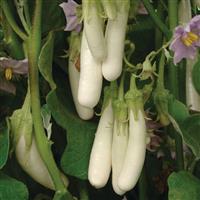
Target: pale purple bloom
(14, 67)
(186, 40)
(17, 66)
(7, 86)
(70, 9)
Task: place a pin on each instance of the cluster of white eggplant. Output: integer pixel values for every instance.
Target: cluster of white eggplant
(101, 51)
(120, 142)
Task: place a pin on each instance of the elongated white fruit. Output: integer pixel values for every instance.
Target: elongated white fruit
(100, 157)
(119, 145)
(90, 82)
(115, 36)
(135, 153)
(93, 26)
(32, 164)
(192, 97)
(74, 76)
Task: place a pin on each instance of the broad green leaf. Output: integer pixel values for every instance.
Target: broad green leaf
(191, 133)
(196, 76)
(4, 144)
(183, 186)
(177, 110)
(46, 60)
(11, 189)
(80, 135)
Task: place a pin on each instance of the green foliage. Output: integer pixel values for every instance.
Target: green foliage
(183, 186)
(4, 143)
(46, 59)
(196, 76)
(11, 189)
(191, 133)
(80, 135)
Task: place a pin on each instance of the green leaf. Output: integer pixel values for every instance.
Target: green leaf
(11, 189)
(46, 60)
(4, 144)
(80, 136)
(191, 133)
(80, 133)
(177, 110)
(183, 186)
(196, 76)
(52, 16)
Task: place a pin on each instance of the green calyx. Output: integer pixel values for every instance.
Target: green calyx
(110, 94)
(110, 8)
(21, 123)
(86, 8)
(161, 98)
(134, 97)
(74, 47)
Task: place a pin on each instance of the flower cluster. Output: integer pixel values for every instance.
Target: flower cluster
(186, 40)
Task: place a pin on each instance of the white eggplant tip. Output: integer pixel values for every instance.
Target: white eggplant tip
(86, 114)
(97, 181)
(111, 75)
(87, 101)
(118, 190)
(124, 185)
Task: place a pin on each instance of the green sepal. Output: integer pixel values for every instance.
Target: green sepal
(86, 5)
(21, 123)
(74, 47)
(110, 8)
(110, 94)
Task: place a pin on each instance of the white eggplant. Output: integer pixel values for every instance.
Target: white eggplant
(84, 113)
(90, 82)
(135, 153)
(31, 162)
(100, 157)
(115, 37)
(119, 145)
(93, 26)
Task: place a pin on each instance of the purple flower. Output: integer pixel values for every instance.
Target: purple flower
(11, 67)
(70, 10)
(186, 40)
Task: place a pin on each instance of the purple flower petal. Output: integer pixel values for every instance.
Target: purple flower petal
(7, 86)
(69, 9)
(18, 66)
(186, 40)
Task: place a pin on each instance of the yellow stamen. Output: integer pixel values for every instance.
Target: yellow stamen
(190, 39)
(8, 73)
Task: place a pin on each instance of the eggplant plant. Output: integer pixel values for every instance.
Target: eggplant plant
(99, 99)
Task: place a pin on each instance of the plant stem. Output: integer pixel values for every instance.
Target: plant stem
(43, 144)
(121, 87)
(143, 186)
(173, 81)
(83, 191)
(156, 19)
(161, 70)
(11, 20)
(26, 12)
